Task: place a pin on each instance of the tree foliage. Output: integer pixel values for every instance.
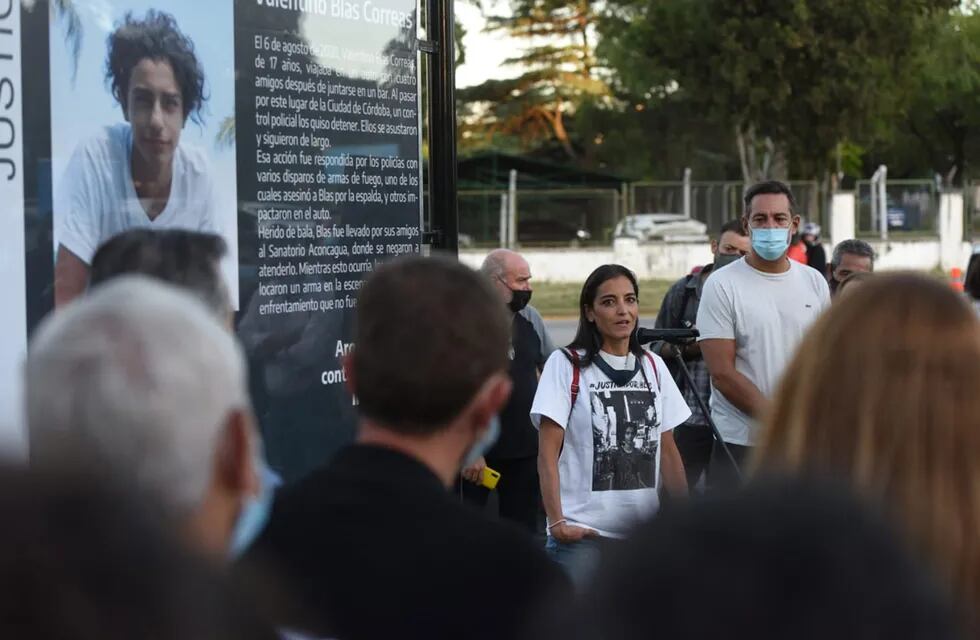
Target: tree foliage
(792, 78)
(559, 76)
(941, 131)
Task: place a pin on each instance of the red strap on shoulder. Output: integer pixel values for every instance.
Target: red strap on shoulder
(573, 356)
(653, 363)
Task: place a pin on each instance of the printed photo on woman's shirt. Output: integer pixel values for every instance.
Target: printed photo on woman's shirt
(625, 439)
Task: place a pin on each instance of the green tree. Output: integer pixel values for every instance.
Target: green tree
(792, 79)
(535, 109)
(944, 112)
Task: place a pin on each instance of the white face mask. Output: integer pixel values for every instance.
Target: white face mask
(484, 443)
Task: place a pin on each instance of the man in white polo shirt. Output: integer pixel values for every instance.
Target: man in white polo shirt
(137, 173)
(753, 314)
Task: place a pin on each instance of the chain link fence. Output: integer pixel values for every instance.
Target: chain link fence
(545, 217)
(588, 217)
(715, 203)
(912, 208)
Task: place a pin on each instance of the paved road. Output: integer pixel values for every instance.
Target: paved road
(562, 331)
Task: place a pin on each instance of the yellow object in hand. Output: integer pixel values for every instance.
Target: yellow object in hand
(489, 478)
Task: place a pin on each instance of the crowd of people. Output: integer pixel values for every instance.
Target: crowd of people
(807, 467)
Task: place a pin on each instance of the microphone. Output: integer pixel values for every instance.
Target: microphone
(673, 336)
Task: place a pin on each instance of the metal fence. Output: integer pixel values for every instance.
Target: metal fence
(580, 217)
(712, 203)
(912, 208)
(715, 203)
(544, 217)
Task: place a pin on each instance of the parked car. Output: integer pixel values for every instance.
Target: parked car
(660, 226)
(900, 217)
(550, 232)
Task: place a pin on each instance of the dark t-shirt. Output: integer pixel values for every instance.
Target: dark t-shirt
(518, 437)
(816, 257)
(374, 546)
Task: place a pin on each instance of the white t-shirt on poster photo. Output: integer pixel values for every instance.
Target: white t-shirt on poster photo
(609, 467)
(767, 315)
(97, 200)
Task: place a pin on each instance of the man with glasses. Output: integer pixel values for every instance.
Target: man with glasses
(753, 315)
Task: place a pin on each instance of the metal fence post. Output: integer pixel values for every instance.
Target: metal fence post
(882, 195)
(512, 210)
(687, 192)
(503, 219)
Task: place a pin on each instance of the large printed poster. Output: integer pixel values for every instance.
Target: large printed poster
(289, 127)
(152, 92)
(13, 321)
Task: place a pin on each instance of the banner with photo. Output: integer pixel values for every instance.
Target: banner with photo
(13, 321)
(291, 128)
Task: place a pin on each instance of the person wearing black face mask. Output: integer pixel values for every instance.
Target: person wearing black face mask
(679, 310)
(515, 454)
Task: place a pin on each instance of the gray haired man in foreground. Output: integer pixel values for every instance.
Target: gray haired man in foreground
(139, 381)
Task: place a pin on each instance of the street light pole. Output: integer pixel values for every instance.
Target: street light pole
(444, 216)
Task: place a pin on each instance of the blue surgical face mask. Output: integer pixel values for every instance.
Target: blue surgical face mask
(255, 513)
(770, 244)
(485, 443)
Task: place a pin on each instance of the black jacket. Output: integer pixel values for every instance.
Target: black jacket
(374, 546)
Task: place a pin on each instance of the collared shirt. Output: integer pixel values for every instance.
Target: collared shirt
(672, 316)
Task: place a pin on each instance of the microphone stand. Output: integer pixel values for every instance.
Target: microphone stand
(686, 374)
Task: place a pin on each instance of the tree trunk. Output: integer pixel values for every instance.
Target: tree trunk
(557, 123)
(770, 163)
(777, 165)
(743, 154)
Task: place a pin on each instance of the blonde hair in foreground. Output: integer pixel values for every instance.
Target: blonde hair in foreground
(884, 394)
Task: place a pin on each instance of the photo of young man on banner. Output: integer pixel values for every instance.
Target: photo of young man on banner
(169, 161)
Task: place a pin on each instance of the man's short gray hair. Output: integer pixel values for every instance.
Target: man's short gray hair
(855, 248)
(495, 264)
(136, 379)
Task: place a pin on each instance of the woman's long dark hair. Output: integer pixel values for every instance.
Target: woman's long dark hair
(587, 337)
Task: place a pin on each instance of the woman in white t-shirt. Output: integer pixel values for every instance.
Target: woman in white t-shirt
(605, 409)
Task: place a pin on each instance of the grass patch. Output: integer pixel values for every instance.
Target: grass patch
(560, 299)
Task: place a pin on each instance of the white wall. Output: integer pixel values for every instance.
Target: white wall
(648, 260)
(843, 219)
(551, 265)
(953, 251)
(917, 255)
(945, 251)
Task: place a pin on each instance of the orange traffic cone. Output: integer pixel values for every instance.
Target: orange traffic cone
(956, 279)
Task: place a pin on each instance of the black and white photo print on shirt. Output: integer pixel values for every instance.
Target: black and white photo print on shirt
(625, 437)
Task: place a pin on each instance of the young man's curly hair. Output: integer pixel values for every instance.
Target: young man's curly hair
(156, 37)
